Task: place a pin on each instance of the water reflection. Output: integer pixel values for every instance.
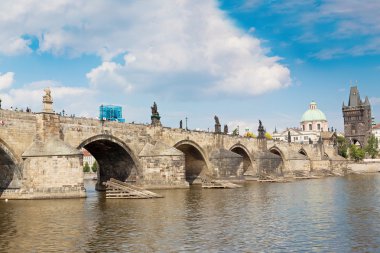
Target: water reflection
(332, 214)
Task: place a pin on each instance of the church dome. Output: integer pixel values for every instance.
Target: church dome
(313, 114)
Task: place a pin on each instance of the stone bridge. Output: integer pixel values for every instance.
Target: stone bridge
(41, 157)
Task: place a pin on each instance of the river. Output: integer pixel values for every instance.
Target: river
(337, 214)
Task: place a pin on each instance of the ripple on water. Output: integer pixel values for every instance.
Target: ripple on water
(333, 214)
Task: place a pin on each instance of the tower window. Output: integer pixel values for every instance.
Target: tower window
(310, 127)
(319, 126)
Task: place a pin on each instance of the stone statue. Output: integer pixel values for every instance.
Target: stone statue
(218, 128)
(180, 124)
(225, 129)
(155, 117)
(154, 109)
(261, 131)
(0, 103)
(216, 120)
(47, 96)
(289, 137)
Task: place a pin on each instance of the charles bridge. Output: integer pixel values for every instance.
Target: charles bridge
(41, 155)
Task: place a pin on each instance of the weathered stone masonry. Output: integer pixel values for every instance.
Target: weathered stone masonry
(40, 155)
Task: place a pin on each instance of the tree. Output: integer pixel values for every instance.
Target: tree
(268, 136)
(235, 132)
(342, 146)
(372, 147)
(356, 153)
(95, 166)
(86, 167)
(250, 135)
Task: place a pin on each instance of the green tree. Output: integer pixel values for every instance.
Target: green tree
(235, 132)
(268, 136)
(342, 146)
(95, 166)
(86, 167)
(356, 153)
(372, 147)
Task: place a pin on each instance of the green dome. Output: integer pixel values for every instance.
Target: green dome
(313, 114)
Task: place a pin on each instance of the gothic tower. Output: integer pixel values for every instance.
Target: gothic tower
(357, 118)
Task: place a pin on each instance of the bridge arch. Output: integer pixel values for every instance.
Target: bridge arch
(115, 159)
(247, 157)
(196, 161)
(303, 152)
(277, 151)
(9, 167)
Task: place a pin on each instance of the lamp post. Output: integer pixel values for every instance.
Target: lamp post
(186, 123)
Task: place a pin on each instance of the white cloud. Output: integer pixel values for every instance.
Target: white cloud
(72, 99)
(6, 80)
(374, 101)
(168, 45)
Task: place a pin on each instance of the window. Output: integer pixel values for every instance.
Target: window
(303, 127)
(319, 126)
(305, 138)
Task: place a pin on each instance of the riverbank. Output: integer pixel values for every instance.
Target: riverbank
(366, 166)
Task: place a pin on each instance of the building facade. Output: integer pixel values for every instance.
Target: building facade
(88, 158)
(376, 132)
(312, 124)
(357, 118)
(314, 120)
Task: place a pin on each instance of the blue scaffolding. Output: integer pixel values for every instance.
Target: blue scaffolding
(111, 113)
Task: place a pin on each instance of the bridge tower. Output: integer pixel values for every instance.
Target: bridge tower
(357, 118)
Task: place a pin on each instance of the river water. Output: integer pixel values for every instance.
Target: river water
(340, 214)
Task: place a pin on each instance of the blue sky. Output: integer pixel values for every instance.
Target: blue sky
(242, 60)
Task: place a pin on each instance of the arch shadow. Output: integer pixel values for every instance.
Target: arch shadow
(114, 157)
(243, 151)
(196, 161)
(10, 170)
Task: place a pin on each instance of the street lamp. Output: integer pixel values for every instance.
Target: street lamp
(186, 123)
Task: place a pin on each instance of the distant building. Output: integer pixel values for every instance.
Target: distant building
(87, 157)
(111, 113)
(313, 123)
(296, 135)
(357, 118)
(314, 120)
(376, 132)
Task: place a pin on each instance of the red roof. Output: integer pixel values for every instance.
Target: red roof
(376, 126)
(86, 153)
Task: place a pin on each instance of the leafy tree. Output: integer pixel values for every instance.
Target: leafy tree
(250, 135)
(235, 132)
(268, 136)
(95, 166)
(356, 153)
(86, 167)
(342, 146)
(372, 147)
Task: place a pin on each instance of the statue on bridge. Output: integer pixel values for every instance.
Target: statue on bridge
(218, 127)
(180, 124)
(47, 101)
(154, 109)
(261, 131)
(225, 129)
(155, 117)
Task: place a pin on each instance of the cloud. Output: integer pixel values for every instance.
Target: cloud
(72, 99)
(374, 101)
(6, 80)
(169, 46)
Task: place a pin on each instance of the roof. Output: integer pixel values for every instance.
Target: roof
(313, 114)
(327, 135)
(52, 147)
(376, 126)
